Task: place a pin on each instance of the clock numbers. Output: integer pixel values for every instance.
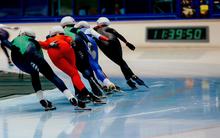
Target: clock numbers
(172, 34)
(189, 34)
(185, 33)
(155, 34)
(197, 34)
(179, 34)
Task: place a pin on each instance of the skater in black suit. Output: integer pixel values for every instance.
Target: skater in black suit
(113, 50)
(4, 36)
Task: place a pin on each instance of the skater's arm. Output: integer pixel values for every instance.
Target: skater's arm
(6, 43)
(97, 35)
(69, 40)
(80, 33)
(36, 43)
(113, 31)
(8, 27)
(44, 44)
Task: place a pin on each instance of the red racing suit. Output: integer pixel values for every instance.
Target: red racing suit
(63, 56)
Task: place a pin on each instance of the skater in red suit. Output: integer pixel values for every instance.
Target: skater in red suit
(62, 55)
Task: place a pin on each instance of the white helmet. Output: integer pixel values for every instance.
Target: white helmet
(103, 21)
(82, 24)
(67, 20)
(56, 30)
(27, 32)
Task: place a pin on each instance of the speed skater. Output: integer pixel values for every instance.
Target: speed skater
(113, 50)
(62, 55)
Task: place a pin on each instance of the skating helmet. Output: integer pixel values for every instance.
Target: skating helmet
(56, 30)
(27, 32)
(103, 21)
(82, 24)
(67, 20)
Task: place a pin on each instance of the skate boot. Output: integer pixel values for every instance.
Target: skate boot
(10, 63)
(108, 86)
(47, 105)
(98, 92)
(105, 89)
(95, 99)
(139, 81)
(75, 102)
(111, 87)
(95, 89)
(116, 89)
(131, 84)
(83, 97)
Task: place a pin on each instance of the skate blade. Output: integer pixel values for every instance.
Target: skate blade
(86, 101)
(50, 109)
(134, 88)
(109, 93)
(98, 102)
(82, 109)
(146, 86)
(119, 92)
(103, 97)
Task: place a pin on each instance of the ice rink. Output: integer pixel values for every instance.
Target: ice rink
(182, 101)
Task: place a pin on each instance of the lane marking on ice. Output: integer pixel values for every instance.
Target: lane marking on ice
(147, 113)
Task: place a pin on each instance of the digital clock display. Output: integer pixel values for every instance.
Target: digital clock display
(178, 34)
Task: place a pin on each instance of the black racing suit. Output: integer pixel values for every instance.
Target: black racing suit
(82, 60)
(27, 55)
(4, 35)
(113, 50)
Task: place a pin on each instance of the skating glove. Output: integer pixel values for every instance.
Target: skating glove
(129, 45)
(53, 44)
(72, 43)
(104, 38)
(48, 36)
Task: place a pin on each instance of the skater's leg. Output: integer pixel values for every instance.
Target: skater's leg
(5, 51)
(36, 81)
(128, 73)
(139, 81)
(107, 84)
(114, 52)
(95, 88)
(6, 43)
(7, 55)
(72, 71)
(46, 70)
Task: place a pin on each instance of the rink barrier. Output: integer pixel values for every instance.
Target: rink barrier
(135, 31)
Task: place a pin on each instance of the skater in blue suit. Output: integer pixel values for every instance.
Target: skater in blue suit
(79, 47)
(92, 50)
